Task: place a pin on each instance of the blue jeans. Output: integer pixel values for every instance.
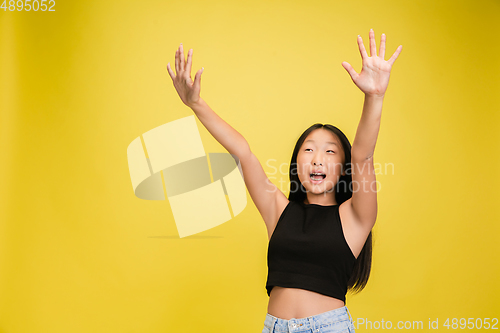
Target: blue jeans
(334, 321)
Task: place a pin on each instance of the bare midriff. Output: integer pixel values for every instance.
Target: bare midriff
(288, 303)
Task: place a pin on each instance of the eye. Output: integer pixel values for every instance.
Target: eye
(308, 149)
(331, 151)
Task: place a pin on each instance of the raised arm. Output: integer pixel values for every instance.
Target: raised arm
(263, 192)
(189, 92)
(373, 81)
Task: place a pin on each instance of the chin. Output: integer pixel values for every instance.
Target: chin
(316, 189)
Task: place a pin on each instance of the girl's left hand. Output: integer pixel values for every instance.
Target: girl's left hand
(374, 77)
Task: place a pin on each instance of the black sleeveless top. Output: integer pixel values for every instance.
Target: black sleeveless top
(307, 250)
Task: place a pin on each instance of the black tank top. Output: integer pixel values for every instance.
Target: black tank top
(307, 250)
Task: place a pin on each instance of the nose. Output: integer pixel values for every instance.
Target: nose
(317, 160)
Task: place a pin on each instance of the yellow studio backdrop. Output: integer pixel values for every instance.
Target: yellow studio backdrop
(80, 252)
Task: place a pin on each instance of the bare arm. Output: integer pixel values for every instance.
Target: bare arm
(263, 192)
(227, 136)
(364, 198)
(364, 142)
(189, 92)
(373, 81)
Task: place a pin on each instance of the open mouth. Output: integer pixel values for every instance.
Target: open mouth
(317, 178)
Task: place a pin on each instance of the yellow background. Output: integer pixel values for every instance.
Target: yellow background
(80, 253)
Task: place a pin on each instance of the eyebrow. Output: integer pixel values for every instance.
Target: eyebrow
(333, 143)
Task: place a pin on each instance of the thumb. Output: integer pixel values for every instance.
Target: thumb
(197, 79)
(349, 70)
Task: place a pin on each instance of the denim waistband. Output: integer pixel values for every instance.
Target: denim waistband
(311, 322)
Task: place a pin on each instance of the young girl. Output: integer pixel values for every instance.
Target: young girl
(320, 236)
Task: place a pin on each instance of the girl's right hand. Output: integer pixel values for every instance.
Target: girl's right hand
(188, 91)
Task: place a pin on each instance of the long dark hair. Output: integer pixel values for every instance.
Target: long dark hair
(343, 191)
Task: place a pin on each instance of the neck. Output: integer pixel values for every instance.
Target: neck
(320, 200)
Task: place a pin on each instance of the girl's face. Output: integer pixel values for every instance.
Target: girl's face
(321, 152)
